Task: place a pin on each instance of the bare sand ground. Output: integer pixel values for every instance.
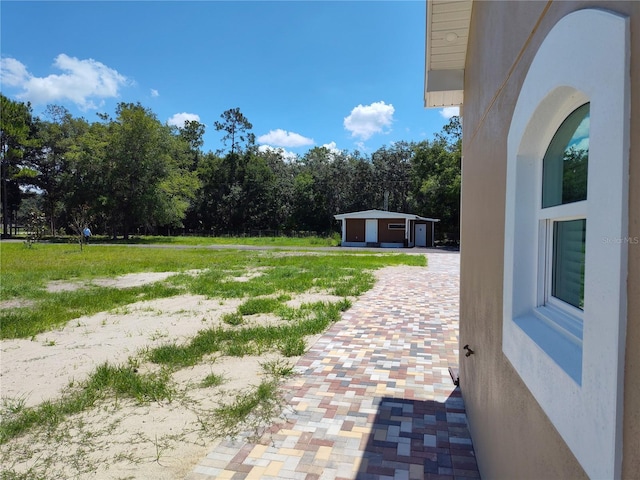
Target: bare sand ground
(122, 438)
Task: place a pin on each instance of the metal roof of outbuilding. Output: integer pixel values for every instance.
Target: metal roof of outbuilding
(383, 214)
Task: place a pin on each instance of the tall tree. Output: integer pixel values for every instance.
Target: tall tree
(436, 180)
(138, 162)
(192, 133)
(392, 168)
(236, 128)
(58, 136)
(205, 214)
(16, 138)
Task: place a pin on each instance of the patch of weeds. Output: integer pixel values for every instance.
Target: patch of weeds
(133, 363)
(286, 312)
(157, 335)
(13, 405)
(160, 448)
(212, 380)
(125, 381)
(234, 318)
(309, 319)
(278, 368)
(254, 306)
(119, 381)
(127, 457)
(293, 347)
(250, 410)
(238, 349)
(57, 309)
(124, 310)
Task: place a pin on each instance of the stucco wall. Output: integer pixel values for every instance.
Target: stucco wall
(512, 436)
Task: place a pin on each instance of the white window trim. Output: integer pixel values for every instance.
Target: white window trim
(575, 375)
(546, 300)
(396, 226)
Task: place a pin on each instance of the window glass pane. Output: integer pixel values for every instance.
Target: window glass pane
(565, 163)
(568, 261)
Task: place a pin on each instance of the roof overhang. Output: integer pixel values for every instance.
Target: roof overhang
(446, 51)
(377, 214)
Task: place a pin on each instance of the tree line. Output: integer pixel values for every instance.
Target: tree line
(132, 174)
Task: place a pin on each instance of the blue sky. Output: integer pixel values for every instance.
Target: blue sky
(347, 75)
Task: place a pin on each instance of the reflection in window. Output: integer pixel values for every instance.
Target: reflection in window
(564, 181)
(565, 162)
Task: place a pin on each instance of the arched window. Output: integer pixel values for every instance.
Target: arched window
(566, 216)
(564, 181)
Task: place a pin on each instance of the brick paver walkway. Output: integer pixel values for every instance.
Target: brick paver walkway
(373, 398)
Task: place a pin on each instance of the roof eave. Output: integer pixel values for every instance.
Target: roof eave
(447, 36)
(378, 214)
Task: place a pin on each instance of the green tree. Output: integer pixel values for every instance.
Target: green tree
(140, 170)
(392, 170)
(281, 190)
(236, 128)
(178, 190)
(192, 134)
(87, 182)
(17, 137)
(436, 180)
(205, 215)
(58, 136)
(258, 204)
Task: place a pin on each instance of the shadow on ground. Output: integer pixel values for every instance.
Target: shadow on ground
(425, 439)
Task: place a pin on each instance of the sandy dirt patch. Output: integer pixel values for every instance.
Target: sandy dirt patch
(123, 439)
(123, 281)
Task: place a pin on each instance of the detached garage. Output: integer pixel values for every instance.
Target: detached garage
(377, 228)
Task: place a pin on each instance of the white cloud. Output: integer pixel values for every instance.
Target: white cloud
(367, 120)
(332, 147)
(583, 144)
(155, 93)
(81, 82)
(286, 155)
(179, 119)
(448, 112)
(583, 129)
(282, 138)
(12, 72)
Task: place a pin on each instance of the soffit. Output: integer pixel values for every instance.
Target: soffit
(446, 51)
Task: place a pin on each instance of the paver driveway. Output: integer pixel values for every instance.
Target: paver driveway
(373, 398)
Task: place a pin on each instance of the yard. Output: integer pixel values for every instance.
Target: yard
(131, 362)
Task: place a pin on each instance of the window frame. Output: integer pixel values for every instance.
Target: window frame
(546, 268)
(396, 226)
(574, 369)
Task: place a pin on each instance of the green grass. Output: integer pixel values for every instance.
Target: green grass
(26, 273)
(212, 380)
(57, 309)
(116, 381)
(310, 241)
(312, 319)
(234, 318)
(254, 306)
(261, 404)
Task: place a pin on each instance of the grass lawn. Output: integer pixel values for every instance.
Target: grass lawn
(26, 272)
(270, 278)
(307, 241)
